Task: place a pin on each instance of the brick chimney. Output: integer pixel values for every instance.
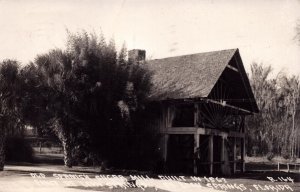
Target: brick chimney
(137, 56)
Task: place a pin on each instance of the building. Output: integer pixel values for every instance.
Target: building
(200, 103)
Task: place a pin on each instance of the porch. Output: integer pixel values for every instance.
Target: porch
(202, 150)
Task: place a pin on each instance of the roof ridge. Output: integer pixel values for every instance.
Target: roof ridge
(234, 49)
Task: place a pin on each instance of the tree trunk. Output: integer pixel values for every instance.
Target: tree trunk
(67, 152)
(65, 141)
(293, 135)
(2, 151)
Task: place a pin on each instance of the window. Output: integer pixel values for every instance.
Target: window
(183, 115)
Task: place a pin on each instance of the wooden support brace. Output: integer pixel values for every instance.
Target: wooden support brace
(211, 154)
(196, 114)
(223, 154)
(243, 152)
(232, 68)
(196, 148)
(234, 155)
(165, 150)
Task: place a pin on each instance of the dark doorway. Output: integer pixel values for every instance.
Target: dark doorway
(203, 156)
(217, 155)
(203, 161)
(180, 154)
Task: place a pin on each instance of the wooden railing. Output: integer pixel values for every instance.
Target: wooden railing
(219, 162)
(289, 166)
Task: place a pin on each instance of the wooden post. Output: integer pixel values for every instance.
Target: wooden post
(196, 138)
(211, 154)
(243, 146)
(196, 114)
(234, 155)
(223, 155)
(168, 119)
(165, 150)
(196, 148)
(243, 154)
(40, 146)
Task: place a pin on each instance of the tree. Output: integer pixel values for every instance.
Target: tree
(110, 91)
(89, 93)
(289, 90)
(54, 72)
(9, 99)
(274, 129)
(260, 126)
(34, 98)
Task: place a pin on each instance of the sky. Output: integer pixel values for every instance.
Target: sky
(264, 31)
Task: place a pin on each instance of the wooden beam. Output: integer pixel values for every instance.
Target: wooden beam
(243, 125)
(163, 121)
(234, 155)
(202, 131)
(243, 146)
(196, 114)
(245, 80)
(168, 119)
(165, 145)
(223, 155)
(236, 134)
(243, 152)
(211, 154)
(232, 68)
(206, 131)
(181, 130)
(224, 104)
(205, 100)
(196, 148)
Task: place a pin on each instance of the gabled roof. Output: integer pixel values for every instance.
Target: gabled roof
(188, 76)
(195, 75)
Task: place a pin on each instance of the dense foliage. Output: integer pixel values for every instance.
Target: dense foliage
(275, 130)
(10, 95)
(18, 149)
(88, 96)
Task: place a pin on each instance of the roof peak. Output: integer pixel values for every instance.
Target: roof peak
(206, 52)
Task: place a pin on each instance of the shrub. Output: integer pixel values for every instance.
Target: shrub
(270, 156)
(18, 150)
(285, 153)
(47, 144)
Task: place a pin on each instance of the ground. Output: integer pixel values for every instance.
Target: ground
(48, 174)
(56, 178)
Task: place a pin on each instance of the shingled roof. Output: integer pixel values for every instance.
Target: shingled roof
(188, 76)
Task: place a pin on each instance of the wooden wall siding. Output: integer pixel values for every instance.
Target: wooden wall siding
(162, 124)
(168, 115)
(227, 164)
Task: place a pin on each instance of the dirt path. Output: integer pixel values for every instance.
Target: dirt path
(57, 178)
